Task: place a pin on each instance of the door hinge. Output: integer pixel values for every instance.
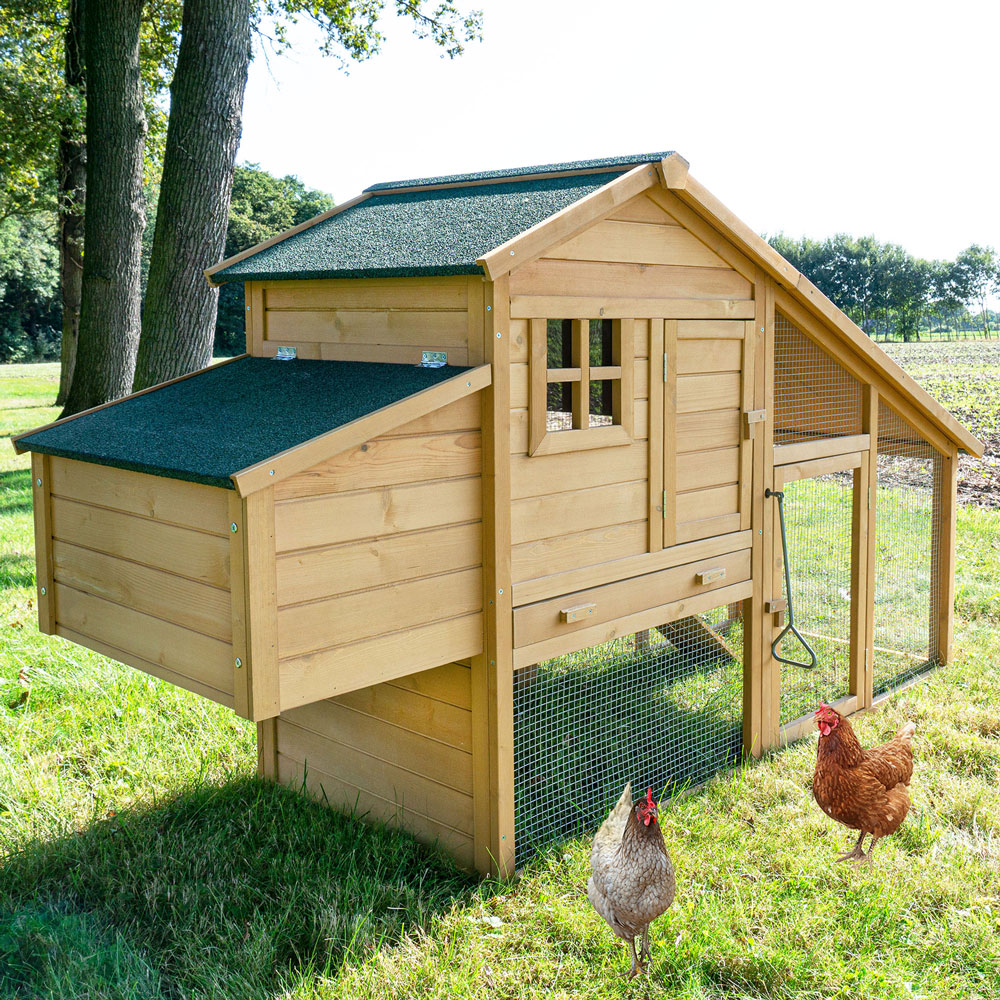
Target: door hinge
(869, 498)
(663, 504)
(866, 661)
(664, 368)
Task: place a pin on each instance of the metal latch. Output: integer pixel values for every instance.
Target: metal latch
(286, 354)
(433, 359)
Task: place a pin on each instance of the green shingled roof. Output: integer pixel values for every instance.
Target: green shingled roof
(226, 418)
(424, 232)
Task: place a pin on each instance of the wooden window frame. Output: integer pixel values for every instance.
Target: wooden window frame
(582, 437)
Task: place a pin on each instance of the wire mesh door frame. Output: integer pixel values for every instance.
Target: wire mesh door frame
(857, 463)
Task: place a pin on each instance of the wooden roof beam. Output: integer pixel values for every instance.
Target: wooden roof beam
(674, 171)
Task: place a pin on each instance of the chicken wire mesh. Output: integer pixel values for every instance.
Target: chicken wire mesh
(907, 530)
(662, 708)
(813, 395)
(818, 524)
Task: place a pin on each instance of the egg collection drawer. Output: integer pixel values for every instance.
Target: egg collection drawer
(626, 599)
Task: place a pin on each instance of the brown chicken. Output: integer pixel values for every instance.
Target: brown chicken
(633, 880)
(863, 789)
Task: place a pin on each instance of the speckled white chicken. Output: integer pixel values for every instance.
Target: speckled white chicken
(633, 879)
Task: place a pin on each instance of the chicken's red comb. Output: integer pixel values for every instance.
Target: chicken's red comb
(649, 797)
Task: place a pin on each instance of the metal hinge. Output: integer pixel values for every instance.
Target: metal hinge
(663, 504)
(664, 368)
(869, 498)
(866, 661)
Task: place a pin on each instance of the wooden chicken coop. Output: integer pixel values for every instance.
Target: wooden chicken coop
(486, 509)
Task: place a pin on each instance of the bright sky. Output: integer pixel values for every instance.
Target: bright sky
(876, 116)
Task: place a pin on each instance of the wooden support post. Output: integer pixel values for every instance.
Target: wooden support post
(943, 575)
(255, 319)
(493, 673)
(267, 749)
(757, 624)
(869, 424)
(860, 668)
(253, 583)
(41, 489)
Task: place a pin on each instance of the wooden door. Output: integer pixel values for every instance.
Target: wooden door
(707, 428)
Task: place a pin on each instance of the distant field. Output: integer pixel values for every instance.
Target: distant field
(965, 377)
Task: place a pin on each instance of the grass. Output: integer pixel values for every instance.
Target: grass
(140, 858)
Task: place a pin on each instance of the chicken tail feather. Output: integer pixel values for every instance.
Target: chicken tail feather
(906, 733)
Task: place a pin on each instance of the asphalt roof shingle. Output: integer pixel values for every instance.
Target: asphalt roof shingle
(428, 232)
(231, 416)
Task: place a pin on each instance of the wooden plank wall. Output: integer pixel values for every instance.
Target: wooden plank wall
(400, 752)
(388, 320)
(580, 509)
(379, 558)
(141, 571)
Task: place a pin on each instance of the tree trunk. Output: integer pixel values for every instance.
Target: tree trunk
(72, 191)
(206, 105)
(116, 135)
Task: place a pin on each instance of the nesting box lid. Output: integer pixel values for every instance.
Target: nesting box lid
(222, 424)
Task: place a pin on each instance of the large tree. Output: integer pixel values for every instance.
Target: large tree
(115, 217)
(206, 105)
(207, 96)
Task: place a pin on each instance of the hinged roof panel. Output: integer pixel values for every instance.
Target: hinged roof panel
(214, 425)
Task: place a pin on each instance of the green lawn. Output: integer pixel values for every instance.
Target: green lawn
(140, 858)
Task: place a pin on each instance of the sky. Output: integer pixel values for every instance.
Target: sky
(874, 117)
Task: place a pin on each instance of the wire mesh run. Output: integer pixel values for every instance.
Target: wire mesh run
(662, 708)
(813, 395)
(907, 532)
(818, 520)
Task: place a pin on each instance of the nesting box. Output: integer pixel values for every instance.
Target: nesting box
(488, 506)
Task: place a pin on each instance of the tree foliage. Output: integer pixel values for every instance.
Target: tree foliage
(890, 293)
(261, 206)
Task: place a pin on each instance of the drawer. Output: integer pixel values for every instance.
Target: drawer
(630, 599)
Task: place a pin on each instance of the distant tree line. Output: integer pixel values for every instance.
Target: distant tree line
(893, 295)
(30, 308)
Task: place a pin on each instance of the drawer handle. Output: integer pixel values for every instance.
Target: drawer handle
(710, 575)
(577, 613)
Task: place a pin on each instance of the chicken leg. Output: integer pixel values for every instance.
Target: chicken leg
(636, 961)
(644, 954)
(856, 853)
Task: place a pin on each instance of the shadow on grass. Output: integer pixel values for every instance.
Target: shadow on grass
(15, 491)
(230, 891)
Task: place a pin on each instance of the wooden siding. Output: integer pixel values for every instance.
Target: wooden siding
(400, 752)
(580, 509)
(141, 572)
(387, 319)
(379, 559)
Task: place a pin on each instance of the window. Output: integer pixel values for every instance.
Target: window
(581, 384)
